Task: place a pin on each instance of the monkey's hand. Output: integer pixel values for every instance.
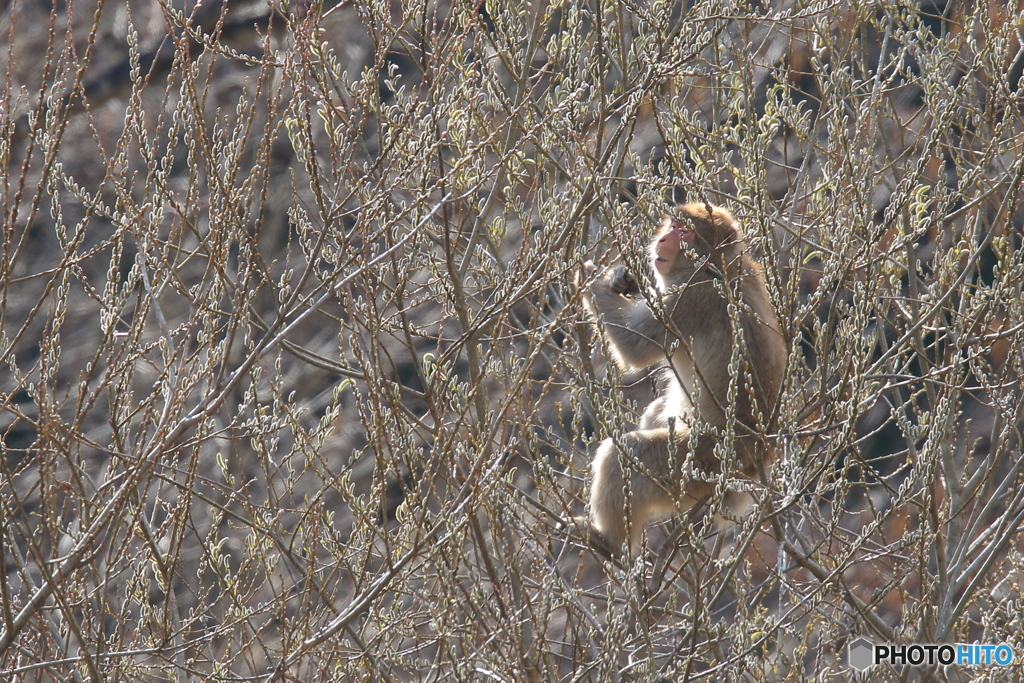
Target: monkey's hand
(581, 529)
(621, 281)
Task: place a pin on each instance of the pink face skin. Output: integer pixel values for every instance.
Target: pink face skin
(669, 245)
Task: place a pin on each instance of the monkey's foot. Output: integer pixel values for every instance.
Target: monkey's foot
(581, 529)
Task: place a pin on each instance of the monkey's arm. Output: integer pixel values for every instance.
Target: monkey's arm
(637, 338)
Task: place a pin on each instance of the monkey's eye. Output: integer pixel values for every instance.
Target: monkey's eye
(684, 229)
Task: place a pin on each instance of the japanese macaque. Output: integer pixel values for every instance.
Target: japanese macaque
(711, 300)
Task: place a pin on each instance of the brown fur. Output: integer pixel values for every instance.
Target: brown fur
(693, 297)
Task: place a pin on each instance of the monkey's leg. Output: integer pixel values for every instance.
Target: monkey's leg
(655, 415)
(656, 485)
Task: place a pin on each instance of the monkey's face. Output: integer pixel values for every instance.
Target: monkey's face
(692, 239)
(669, 243)
(682, 243)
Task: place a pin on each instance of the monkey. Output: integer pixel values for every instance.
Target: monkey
(701, 269)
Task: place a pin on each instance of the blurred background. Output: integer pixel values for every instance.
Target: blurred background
(296, 383)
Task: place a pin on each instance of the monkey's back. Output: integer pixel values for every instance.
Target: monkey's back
(706, 356)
